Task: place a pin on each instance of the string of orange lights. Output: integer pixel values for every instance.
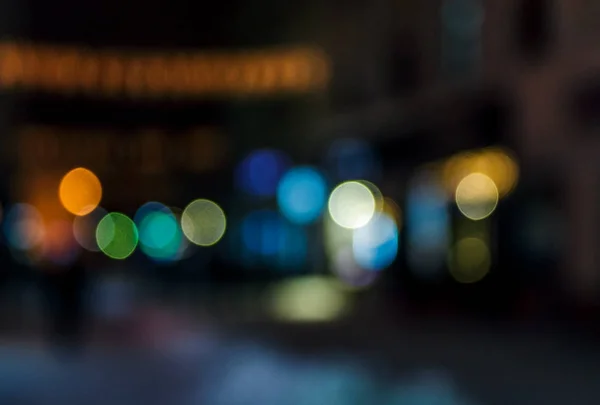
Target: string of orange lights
(63, 69)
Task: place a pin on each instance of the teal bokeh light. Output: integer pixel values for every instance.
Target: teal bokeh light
(158, 229)
(160, 235)
(302, 194)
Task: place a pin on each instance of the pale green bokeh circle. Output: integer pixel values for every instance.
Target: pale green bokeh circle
(470, 260)
(203, 222)
(477, 196)
(117, 236)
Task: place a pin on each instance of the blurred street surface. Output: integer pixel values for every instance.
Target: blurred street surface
(365, 360)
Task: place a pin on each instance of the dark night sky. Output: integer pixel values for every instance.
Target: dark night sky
(221, 23)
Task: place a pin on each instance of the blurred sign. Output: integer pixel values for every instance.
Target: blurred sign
(70, 70)
(148, 152)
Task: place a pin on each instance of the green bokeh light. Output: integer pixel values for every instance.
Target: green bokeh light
(117, 236)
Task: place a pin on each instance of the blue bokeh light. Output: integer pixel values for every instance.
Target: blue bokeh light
(427, 225)
(23, 226)
(350, 159)
(147, 209)
(375, 245)
(259, 173)
(302, 194)
(268, 236)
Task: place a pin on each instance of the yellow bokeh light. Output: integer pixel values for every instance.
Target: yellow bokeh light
(477, 196)
(308, 299)
(80, 191)
(352, 205)
(469, 261)
(203, 222)
(391, 208)
(377, 195)
(496, 163)
(466, 228)
(500, 166)
(456, 168)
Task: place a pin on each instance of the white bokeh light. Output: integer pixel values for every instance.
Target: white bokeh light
(352, 205)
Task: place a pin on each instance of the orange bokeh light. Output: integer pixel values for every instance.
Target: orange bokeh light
(80, 191)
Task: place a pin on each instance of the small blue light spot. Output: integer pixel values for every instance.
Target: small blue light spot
(427, 226)
(301, 195)
(268, 236)
(148, 209)
(352, 159)
(260, 172)
(22, 226)
(375, 245)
